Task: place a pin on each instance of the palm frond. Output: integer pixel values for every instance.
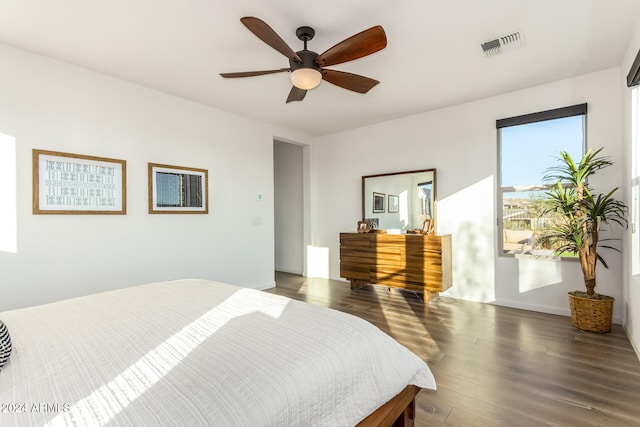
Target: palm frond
(576, 212)
(568, 172)
(602, 261)
(604, 208)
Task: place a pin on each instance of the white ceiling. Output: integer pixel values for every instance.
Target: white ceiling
(433, 58)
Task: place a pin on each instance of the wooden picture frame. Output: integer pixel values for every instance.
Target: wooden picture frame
(378, 202)
(77, 184)
(394, 204)
(374, 223)
(178, 190)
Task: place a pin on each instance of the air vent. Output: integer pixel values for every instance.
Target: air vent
(502, 44)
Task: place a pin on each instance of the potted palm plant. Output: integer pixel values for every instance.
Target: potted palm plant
(576, 215)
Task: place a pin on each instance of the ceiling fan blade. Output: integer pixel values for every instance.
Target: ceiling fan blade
(296, 94)
(252, 73)
(265, 33)
(359, 45)
(354, 82)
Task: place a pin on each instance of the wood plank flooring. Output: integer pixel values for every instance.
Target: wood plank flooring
(495, 366)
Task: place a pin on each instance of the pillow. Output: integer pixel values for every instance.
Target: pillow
(5, 344)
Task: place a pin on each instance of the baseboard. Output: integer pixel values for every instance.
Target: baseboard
(633, 344)
(264, 286)
(544, 309)
(289, 270)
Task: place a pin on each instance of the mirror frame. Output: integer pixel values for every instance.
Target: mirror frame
(435, 191)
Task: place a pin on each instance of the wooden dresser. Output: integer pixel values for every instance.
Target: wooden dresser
(409, 261)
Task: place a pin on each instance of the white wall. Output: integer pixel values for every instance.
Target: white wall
(631, 311)
(47, 104)
(289, 207)
(51, 105)
(461, 143)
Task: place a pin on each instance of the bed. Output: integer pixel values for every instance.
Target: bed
(198, 352)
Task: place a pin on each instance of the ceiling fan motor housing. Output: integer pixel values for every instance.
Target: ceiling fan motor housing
(308, 61)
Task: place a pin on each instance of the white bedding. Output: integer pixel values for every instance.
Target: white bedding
(196, 352)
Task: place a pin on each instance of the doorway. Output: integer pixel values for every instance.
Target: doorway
(288, 182)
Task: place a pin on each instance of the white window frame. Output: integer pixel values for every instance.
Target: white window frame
(634, 211)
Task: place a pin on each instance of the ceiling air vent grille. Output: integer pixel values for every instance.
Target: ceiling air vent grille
(502, 44)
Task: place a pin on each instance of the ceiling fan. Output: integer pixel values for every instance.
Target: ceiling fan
(307, 67)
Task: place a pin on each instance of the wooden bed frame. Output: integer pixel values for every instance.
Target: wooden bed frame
(398, 412)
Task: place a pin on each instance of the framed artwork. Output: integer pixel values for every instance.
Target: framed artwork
(378, 202)
(394, 204)
(76, 184)
(176, 190)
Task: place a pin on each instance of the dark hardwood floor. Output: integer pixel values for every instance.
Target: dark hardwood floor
(495, 366)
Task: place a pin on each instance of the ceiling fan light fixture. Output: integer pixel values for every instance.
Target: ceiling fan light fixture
(306, 78)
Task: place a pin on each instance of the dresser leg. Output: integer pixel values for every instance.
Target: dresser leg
(357, 284)
(430, 296)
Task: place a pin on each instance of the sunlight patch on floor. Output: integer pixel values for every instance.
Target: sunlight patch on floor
(405, 301)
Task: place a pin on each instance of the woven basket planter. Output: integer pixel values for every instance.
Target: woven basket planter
(590, 314)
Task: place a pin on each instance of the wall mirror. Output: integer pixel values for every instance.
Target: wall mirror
(399, 200)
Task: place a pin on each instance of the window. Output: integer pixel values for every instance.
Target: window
(527, 146)
(8, 195)
(634, 216)
(633, 80)
(426, 199)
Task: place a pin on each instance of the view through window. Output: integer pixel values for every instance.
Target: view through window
(634, 208)
(527, 146)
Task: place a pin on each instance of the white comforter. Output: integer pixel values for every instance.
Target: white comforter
(196, 352)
